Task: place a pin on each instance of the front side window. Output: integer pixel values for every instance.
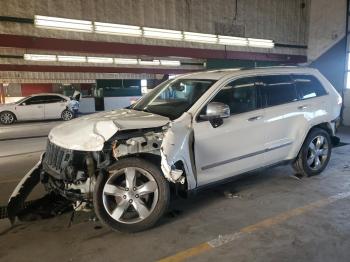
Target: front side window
(35, 100)
(308, 86)
(240, 95)
(172, 98)
(278, 89)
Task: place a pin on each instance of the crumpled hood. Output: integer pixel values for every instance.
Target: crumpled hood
(89, 133)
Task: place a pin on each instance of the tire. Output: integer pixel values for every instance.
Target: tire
(119, 207)
(67, 115)
(7, 118)
(306, 163)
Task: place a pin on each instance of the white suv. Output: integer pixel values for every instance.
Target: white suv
(36, 107)
(189, 132)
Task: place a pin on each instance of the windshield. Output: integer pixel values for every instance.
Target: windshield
(21, 100)
(173, 97)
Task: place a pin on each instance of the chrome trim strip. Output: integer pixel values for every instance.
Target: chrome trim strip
(244, 156)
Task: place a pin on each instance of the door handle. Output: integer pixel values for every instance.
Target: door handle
(254, 118)
(303, 107)
(40, 106)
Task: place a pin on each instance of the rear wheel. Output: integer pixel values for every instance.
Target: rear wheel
(7, 118)
(67, 115)
(315, 153)
(132, 196)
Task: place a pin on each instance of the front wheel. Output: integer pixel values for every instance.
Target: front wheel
(67, 115)
(7, 118)
(314, 154)
(132, 196)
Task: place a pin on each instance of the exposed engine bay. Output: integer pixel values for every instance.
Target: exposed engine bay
(72, 173)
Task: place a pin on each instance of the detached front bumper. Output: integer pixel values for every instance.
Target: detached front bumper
(22, 190)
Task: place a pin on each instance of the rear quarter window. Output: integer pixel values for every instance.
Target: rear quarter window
(308, 86)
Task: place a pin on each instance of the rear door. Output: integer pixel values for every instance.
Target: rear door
(238, 144)
(54, 106)
(284, 116)
(31, 109)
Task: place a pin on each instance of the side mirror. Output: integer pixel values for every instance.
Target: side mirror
(23, 104)
(215, 112)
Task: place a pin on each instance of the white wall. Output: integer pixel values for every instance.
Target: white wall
(119, 102)
(87, 105)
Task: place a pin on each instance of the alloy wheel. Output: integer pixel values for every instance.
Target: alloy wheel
(130, 195)
(67, 115)
(317, 152)
(6, 118)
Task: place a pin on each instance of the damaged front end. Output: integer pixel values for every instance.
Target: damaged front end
(72, 173)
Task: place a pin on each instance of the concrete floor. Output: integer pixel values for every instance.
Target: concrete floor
(300, 223)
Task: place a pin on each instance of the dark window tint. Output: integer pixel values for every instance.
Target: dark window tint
(53, 99)
(34, 100)
(278, 89)
(240, 95)
(308, 86)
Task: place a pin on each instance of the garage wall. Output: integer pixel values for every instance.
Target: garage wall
(327, 26)
(29, 89)
(285, 21)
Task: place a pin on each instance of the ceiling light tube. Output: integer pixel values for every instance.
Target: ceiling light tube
(263, 43)
(198, 37)
(49, 22)
(38, 57)
(231, 40)
(75, 59)
(125, 61)
(170, 63)
(149, 62)
(102, 60)
(162, 33)
(117, 29)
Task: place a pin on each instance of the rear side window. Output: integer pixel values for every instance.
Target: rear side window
(53, 99)
(278, 89)
(308, 86)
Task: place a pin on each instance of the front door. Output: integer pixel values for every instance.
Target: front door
(237, 145)
(30, 109)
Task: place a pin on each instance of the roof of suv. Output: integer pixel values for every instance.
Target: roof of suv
(217, 74)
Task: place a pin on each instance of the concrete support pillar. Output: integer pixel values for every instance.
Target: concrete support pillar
(2, 94)
(346, 109)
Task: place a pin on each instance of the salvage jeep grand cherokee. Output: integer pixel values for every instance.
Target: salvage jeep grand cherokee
(187, 133)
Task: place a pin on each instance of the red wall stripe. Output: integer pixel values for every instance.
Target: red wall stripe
(29, 89)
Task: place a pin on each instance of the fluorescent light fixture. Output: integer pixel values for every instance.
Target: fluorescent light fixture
(102, 60)
(149, 62)
(37, 57)
(170, 63)
(198, 37)
(75, 59)
(125, 61)
(162, 33)
(117, 29)
(231, 40)
(62, 23)
(264, 43)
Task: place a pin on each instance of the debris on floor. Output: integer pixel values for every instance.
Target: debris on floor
(46, 207)
(230, 195)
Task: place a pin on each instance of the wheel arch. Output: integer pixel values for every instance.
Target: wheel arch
(176, 189)
(9, 112)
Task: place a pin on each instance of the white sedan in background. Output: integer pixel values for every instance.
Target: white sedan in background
(37, 107)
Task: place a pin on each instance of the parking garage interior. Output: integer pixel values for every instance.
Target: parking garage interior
(113, 54)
